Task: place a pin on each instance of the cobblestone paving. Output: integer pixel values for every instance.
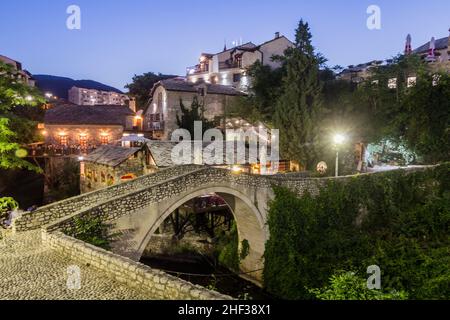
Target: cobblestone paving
(30, 271)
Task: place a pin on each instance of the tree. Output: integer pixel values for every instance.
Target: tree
(14, 96)
(299, 108)
(141, 86)
(195, 113)
(416, 115)
(264, 91)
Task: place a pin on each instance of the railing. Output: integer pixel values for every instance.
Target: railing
(228, 65)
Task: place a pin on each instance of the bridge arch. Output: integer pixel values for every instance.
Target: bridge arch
(250, 221)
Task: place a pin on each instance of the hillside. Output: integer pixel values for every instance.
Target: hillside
(60, 86)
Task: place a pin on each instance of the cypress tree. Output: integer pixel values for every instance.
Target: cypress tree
(298, 109)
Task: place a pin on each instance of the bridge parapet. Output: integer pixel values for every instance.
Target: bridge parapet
(57, 210)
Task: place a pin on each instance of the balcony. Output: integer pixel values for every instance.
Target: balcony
(197, 69)
(229, 65)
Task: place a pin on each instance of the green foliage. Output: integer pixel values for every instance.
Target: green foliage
(348, 286)
(259, 105)
(299, 107)
(399, 221)
(6, 204)
(228, 252)
(141, 86)
(245, 249)
(92, 230)
(14, 128)
(228, 249)
(195, 113)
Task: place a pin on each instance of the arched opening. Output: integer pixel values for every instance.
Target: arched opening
(211, 222)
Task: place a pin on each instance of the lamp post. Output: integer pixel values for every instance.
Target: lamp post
(338, 140)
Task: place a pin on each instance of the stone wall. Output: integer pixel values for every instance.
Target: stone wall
(54, 211)
(159, 284)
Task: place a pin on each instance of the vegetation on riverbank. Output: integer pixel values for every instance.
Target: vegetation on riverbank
(399, 221)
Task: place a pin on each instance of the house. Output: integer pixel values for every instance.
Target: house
(23, 75)
(216, 81)
(160, 117)
(109, 165)
(92, 97)
(229, 66)
(78, 129)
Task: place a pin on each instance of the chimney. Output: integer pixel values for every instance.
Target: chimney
(132, 104)
(277, 35)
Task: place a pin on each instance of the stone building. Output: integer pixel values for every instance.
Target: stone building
(109, 165)
(160, 116)
(82, 128)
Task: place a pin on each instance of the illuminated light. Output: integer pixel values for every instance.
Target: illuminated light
(62, 134)
(21, 153)
(29, 98)
(80, 158)
(236, 169)
(126, 134)
(44, 133)
(140, 135)
(339, 138)
(48, 94)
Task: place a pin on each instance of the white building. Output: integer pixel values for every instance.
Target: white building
(92, 97)
(229, 66)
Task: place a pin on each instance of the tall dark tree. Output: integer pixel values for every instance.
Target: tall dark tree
(141, 86)
(299, 108)
(189, 116)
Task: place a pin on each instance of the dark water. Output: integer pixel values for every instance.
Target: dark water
(199, 270)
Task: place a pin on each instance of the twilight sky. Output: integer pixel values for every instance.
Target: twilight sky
(120, 38)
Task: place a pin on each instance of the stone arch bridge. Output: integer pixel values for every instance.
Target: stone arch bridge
(137, 208)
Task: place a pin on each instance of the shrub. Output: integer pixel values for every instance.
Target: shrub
(397, 220)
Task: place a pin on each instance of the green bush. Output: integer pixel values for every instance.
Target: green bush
(399, 221)
(348, 286)
(92, 230)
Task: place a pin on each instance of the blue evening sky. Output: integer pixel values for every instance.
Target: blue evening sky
(119, 38)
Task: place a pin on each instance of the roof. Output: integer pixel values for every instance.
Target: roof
(101, 115)
(161, 152)
(440, 44)
(110, 155)
(182, 85)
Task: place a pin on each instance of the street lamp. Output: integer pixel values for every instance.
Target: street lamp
(339, 139)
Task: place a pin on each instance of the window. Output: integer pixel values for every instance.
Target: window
(392, 83)
(201, 92)
(104, 139)
(237, 77)
(411, 82)
(160, 101)
(103, 177)
(63, 140)
(83, 141)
